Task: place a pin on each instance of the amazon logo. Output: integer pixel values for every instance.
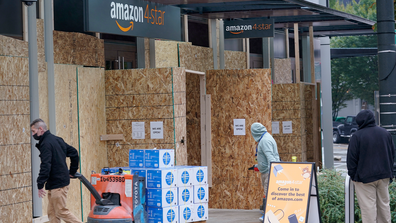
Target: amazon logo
(124, 12)
(238, 29)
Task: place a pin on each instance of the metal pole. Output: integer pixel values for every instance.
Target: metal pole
(349, 200)
(221, 44)
(141, 56)
(34, 104)
(327, 122)
(213, 40)
(49, 57)
(386, 65)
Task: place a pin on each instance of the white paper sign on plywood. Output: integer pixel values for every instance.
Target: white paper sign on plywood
(239, 127)
(287, 127)
(157, 130)
(275, 127)
(138, 130)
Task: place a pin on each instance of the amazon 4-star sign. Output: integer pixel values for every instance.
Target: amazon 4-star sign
(257, 28)
(133, 18)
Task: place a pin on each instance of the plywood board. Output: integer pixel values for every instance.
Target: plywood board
(179, 115)
(15, 151)
(166, 54)
(67, 122)
(145, 95)
(42, 64)
(78, 49)
(92, 120)
(13, 47)
(294, 102)
(235, 59)
(43, 96)
(195, 57)
(282, 71)
(242, 94)
(193, 115)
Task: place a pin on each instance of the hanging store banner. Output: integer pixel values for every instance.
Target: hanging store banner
(132, 18)
(249, 28)
(292, 195)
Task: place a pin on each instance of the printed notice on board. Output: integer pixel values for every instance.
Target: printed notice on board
(275, 127)
(287, 127)
(157, 130)
(138, 130)
(288, 192)
(239, 127)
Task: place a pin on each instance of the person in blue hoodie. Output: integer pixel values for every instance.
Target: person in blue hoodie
(267, 152)
(370, 158)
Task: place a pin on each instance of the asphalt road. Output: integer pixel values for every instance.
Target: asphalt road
(340, 151)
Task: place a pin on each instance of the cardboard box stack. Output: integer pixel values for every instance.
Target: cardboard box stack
(174, 194)
(170, 193)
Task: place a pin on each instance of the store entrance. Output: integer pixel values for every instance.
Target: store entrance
(120, 55)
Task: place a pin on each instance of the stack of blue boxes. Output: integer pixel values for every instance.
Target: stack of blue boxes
(174, 194)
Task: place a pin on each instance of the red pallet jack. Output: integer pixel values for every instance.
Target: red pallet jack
(111, 203)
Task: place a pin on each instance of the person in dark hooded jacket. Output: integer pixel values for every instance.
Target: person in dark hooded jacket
(370, 158)
(54, 173)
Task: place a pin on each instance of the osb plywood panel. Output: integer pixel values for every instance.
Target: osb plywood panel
(15, 155)
(179, 114)
(139, 81)
(42, 65)
(91, 91)
(309, 96)
(285, 92)
(43, 96)
(235, 59)
(79, 49)
(195, 57)
(17, 212)
(147, 52)
(236, 94)
(13, 47)
(67, 122)
(145, 95)
(15, 159)
(166, 54)
(293, 102)
(14, 71)
(193, 114)
(282, 71)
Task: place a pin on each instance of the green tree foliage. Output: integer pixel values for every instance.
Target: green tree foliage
(354, 77)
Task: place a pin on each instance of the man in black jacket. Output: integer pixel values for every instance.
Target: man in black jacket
(370, 160)
(54, 172)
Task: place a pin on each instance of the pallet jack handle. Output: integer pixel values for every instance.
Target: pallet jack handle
(94, 192)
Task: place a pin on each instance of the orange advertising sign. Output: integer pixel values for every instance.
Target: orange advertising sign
(290, 189)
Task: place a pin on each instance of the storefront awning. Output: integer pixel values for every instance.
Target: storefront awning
(325, 21)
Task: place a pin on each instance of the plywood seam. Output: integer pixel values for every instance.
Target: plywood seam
(16, 188)
(25, 143)
(1, 55)
(112, 95)
(140, 106)
(113, 120)
(15, 203)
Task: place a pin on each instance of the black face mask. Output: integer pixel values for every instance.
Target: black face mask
(36, 137)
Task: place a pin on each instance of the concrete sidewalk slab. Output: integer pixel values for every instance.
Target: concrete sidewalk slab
(234, 216)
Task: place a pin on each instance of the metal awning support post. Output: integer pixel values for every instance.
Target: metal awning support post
(349, 200)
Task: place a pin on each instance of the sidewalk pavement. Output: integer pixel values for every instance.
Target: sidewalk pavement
(234, 216)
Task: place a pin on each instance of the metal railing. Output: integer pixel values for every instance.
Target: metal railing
(349, 200)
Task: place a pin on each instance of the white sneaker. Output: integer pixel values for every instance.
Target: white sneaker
(261, 218)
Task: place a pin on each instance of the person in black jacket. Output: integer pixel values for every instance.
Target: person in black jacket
(370, 158)
(54, 172)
